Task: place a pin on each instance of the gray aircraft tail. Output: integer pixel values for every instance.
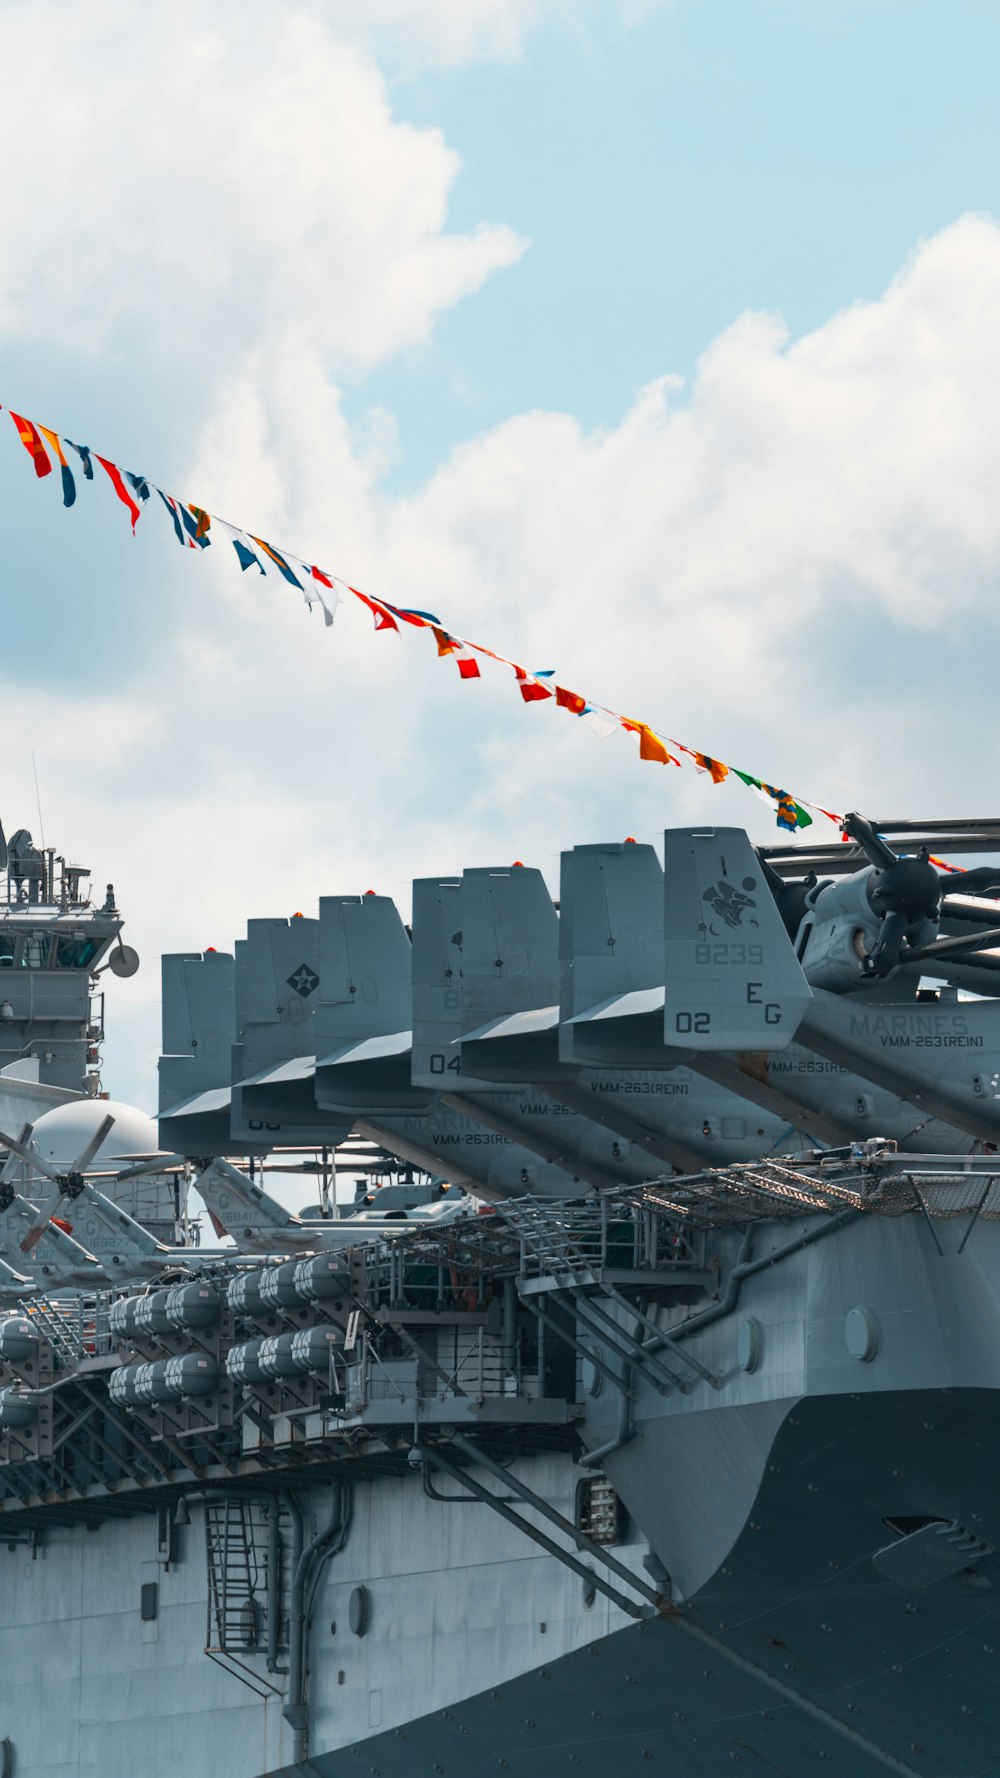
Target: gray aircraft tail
(611, 956)
(277, 991)
(364, 1016)
(112, 1236)
(510, 944)
(199, 1029)
(510, 975)
(56, 1259)
(277, 1018)
(610, 923)
(199, 1023)
(437, 985)
(733, 981)
(246, 1212)
(364, 969)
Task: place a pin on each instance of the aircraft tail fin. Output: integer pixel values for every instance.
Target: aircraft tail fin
(437, 982)
(364, 970)
(239, 1208)
(510, 944)
(733, 981)
(610, 923)
(199, 1024)
(277, 991)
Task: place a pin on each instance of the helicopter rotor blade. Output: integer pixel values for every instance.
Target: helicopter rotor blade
(43, 1217)
(874, 847)
(166, 1163)
(31, 1157)
(972, 911)
(975, 882)
(24, 1138)
(88, 1152)
(959, 950)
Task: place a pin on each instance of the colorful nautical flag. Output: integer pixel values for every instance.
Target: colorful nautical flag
(790, 814)
(467, 666)
(192, 525)
(28, 433)
(650, 745)
(197, 532)
(83, 452)
(421, 620)
(138, 484)
(246, 557)
(601, 722)
(570, 700)
(173, 507)
(278, 560)
(68, 484)
(705, 763)
(383, 618)
(114, 476)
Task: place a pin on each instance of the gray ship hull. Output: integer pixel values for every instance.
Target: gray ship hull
(799, 1657)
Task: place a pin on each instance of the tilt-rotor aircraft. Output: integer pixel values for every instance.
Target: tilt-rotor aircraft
(613, 994)
(893, 967)
(320, 1014)
(373, 1054)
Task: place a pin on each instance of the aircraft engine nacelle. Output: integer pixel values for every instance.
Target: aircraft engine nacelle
(840, 929)
(832, 952)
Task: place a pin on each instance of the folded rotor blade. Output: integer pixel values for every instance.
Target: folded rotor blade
(166, 1163)
(972, 911)
(87, 1154)
(974, 882)
(28, 1154)
(875, 849)
(24, 1139)
(43, 1216)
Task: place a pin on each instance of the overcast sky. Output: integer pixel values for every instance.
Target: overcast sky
(658, 343)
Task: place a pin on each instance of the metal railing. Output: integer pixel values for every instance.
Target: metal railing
(77, 1327)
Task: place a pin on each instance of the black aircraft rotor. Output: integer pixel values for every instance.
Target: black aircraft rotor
(908, 891)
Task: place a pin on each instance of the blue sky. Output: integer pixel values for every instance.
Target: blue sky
(669, 173)
(658, 343)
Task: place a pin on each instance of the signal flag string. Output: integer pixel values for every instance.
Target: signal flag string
(192, 526)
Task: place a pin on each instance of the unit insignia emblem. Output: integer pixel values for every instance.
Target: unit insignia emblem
(731, 904)
(303, 980)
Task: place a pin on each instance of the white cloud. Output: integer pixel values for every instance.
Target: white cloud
(447, 32)
(451, 32)
(208, 188)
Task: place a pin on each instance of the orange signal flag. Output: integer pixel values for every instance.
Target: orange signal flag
(715, 766)
(650, 745)
(570, 700)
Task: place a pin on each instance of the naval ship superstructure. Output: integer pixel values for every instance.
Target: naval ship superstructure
(680, 1453)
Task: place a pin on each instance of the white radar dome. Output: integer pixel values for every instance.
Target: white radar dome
(62, 1134)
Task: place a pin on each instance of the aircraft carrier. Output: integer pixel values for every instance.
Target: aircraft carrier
(644, 1419)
